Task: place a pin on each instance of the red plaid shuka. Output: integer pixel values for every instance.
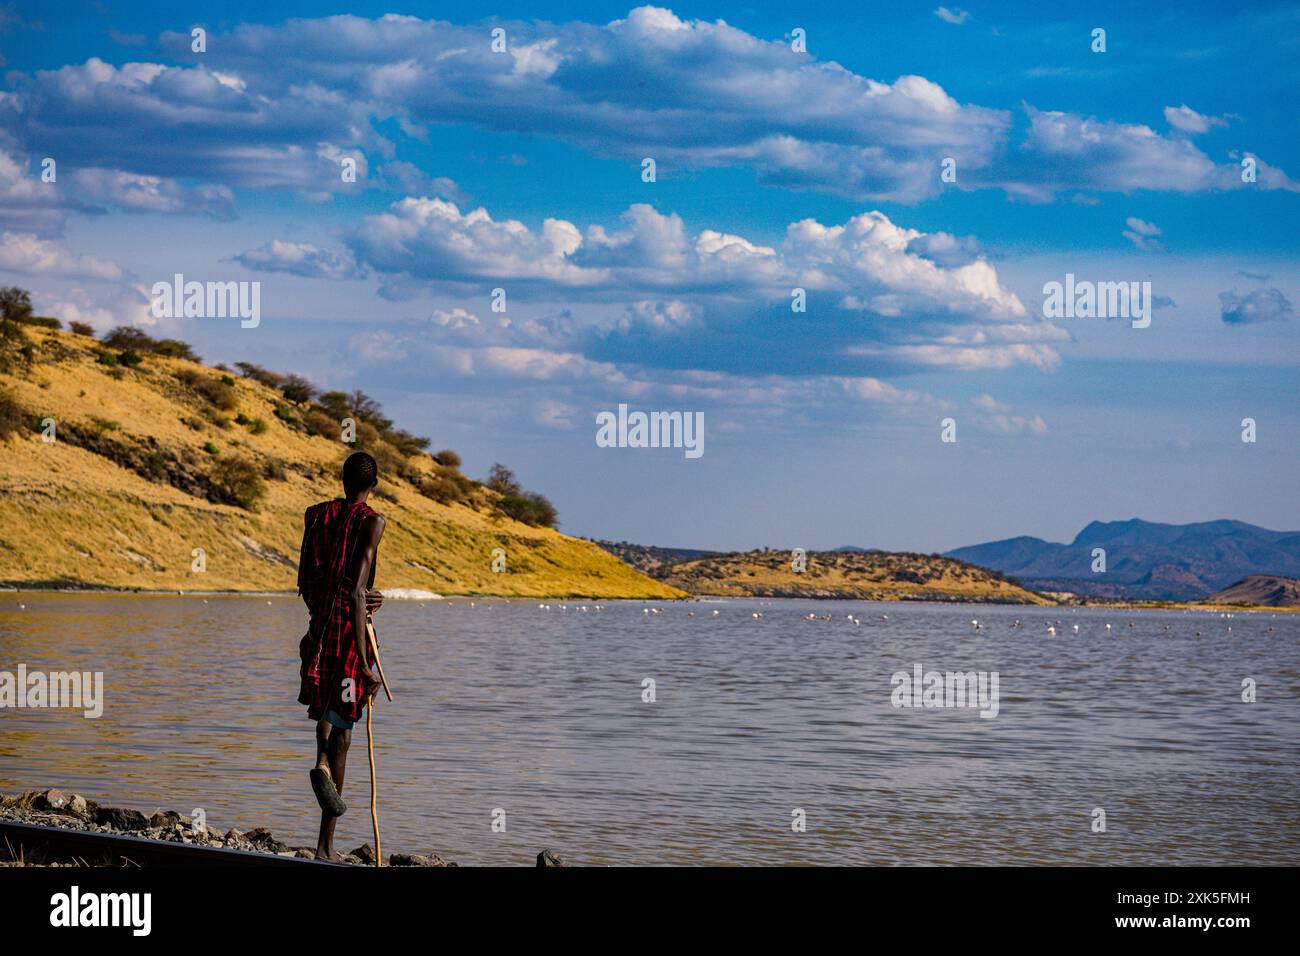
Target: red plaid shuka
(328, 650)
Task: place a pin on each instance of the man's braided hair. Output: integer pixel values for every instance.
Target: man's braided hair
(360, 473)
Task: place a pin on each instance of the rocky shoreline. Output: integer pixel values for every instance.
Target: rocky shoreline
(55, 808)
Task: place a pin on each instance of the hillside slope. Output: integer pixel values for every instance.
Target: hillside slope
(1145, 560)
(1260, 590)
(870, 576)
(143, 470)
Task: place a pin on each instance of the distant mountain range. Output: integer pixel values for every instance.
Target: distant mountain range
(1145, 560)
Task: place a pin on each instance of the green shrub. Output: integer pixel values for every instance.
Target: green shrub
(130, 358)
(259, 374)
(442, 489)
(239, 478)
(529, 508)
(12, 417)
(320, 423)
(210, 448)
(447, 458)
(153, 466)
(173, 348)
(297, 389)
(82, 328)
(214, 391)
(101, 425)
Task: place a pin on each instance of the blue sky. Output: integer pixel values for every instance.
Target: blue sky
(776, 168)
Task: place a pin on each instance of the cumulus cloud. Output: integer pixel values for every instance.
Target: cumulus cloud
(1143, 234)
(300, 259)
(1260, 305)
(131, 192)
(27, 203)
(955, 16)
(1187, 120)
(1067, 151)
(27, 253)
(999, 417)
(194, 122)
(274, 106)
(870, 261)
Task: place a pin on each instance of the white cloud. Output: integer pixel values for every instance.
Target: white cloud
(29, 254)
(1187, 120)
(956, 15)
(1259, 305)
(27, 203)
(686, 92)
(1143, 234)
(1067, 151)
(131, 192)
(300, 259)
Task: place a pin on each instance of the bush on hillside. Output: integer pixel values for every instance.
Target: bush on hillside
(216, 392)
(297, 389)
(12, 417)
(240, 479)
(530, 508)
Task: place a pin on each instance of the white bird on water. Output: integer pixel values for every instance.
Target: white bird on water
(757, 615)
(1051, 630)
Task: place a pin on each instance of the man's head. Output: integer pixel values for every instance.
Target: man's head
(360, 473)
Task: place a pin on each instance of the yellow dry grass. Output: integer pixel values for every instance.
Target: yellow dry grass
(71, 516)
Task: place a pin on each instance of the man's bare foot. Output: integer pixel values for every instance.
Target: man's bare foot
(329, 856)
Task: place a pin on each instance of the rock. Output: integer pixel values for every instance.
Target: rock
(78, 805)
(303, 853)
(50, 800)
(550, 858)
(118, 818)
(233, 836)
(264, 839)
(365, 853)
(415, 859)
(165, 819)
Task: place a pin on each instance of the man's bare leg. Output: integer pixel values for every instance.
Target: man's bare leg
(334, 758)
(323, 728)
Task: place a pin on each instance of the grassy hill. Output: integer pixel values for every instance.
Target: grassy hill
(155, 456)
(867, 576)
(1259, 590)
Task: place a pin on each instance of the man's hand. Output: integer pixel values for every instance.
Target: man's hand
(373, 681)
(374, 601)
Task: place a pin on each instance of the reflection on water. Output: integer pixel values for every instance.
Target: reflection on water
(540, 713)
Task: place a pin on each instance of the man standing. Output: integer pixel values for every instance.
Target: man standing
(336, 571)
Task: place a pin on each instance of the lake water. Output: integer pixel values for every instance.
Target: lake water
(539, 713)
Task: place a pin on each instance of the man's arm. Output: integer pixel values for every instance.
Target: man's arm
(371, 532)
(302, 559)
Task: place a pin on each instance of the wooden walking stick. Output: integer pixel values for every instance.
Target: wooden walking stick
(370, 737)
(374, 811)
(374, 652)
